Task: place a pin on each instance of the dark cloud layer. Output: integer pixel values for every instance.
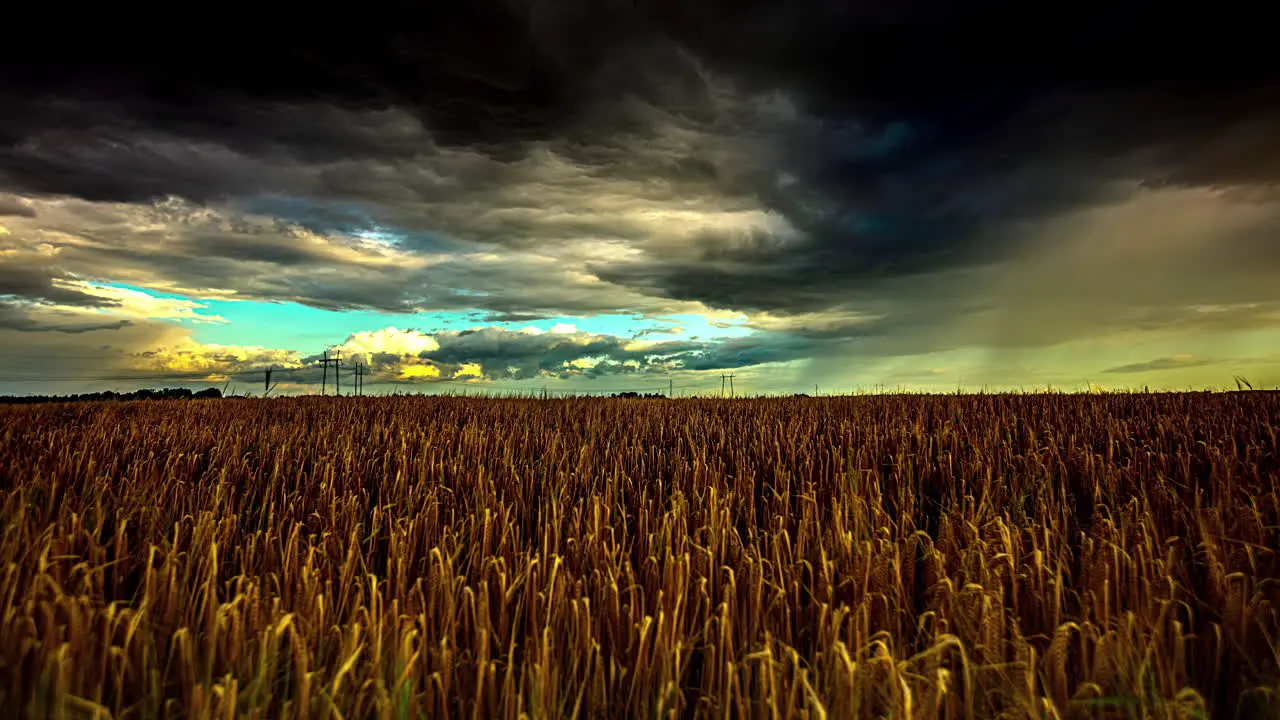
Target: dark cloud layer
(876, 162)
(1165, 363)
(14, 316)
(496, 353)
(503, 353)
(36, 280)
(924, 133)
(957, 84)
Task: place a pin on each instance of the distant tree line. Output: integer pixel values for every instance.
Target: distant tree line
(110, 395)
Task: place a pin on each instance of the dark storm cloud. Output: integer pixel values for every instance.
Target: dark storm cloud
(104, 164)
(923, 81)
(199, 252)
(510, 354)
(518, 355)
(745, 352)
(1173, 362)
(36, 280)
(496, 353)
(14, 316)
(892, 144)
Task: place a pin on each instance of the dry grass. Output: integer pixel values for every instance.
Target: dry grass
(1043, 556)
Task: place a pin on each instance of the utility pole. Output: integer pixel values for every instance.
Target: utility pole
(336, 362)
(337, 375)
(730, 379)
(670, 388)
(815, 389)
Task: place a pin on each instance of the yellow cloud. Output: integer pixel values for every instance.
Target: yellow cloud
(389, 341)
(189, 356)
(639, 345)
(139, 305)
(411, 372)
(469, 370)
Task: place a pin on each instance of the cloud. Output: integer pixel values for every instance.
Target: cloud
(46, 350)
(747, 352)
(835, 322)
(14, 316)
(721, 192)
(202, 251)
(663, 330)
(562, 352)
(29, 277)
(15, 206)
(495, 353)
(181, 354)
(1173, 362)
(1137, 265)
(908, 180)
(390, 343)
(511, 317)
(136, 304)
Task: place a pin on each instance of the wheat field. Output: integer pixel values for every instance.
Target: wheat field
(898, 556)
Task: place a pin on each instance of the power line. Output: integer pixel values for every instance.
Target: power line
(273, 375)
(728, 377)
(292, 375)
(324, 379)
(493, 387)
(360, 373)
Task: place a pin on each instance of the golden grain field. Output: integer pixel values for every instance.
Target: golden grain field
(1037, 556)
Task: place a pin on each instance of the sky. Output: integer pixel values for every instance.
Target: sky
(575, 196)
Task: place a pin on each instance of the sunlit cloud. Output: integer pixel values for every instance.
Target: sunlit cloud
(218, 361)
(417, 372)
(388, 341)
(131, 303)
